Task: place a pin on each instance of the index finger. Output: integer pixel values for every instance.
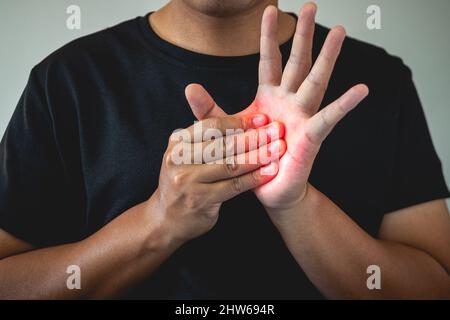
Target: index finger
(214, 128)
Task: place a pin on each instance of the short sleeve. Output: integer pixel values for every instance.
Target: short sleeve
(34, 197)
(417, 174)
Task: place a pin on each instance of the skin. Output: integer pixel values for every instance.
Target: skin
(185, 205)
(414, 263)
(293, 99)
(189, 24)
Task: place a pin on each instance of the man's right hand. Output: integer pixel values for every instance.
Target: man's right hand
(190, 194)
(134, 244)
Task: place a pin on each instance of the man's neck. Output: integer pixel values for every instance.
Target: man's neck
(236, 35)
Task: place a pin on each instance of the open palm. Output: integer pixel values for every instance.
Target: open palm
(292, 97)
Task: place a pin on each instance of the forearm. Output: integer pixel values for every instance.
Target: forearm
(119, 255)
(335, 253)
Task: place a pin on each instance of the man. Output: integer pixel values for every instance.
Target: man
(88, 178)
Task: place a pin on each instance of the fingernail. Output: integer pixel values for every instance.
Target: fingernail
(259, 120)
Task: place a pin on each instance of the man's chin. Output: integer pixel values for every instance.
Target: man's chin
(220, 8)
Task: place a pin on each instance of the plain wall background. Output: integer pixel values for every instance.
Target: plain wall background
(416, 30)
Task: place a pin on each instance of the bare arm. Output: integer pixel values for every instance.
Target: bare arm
(128, 249)
(335, 252)
(414, 246)
(114, 258)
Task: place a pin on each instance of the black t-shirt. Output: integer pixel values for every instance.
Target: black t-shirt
(86, 140)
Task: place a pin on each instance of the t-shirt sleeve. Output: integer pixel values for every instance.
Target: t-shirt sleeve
(417, 175)
(33, 186)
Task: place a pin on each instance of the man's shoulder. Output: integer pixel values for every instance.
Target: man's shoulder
(385, 74)
(94, 47)
(360, 58)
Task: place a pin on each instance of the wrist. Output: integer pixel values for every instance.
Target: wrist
(289, 211)
(161, 235)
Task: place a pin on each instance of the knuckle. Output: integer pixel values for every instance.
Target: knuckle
(309, 137)
(312, 78)
(340, 108)
(242, 123)
(179, 179)
(225, 146)
(231, 167)
(193, 200)
(315, 81)
(302, 61)
(167, 159)
(295, 58)
(174, 136)
(300, 100)
(255, 178)
(179, 136)
(264, 56)
(229, 146)
(308, 61)
(324, 118)
(253, 136)
(237, 185)
(213, 123)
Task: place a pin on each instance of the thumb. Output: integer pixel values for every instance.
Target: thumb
(201, 103)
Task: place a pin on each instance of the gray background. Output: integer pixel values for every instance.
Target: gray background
(416, 30)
